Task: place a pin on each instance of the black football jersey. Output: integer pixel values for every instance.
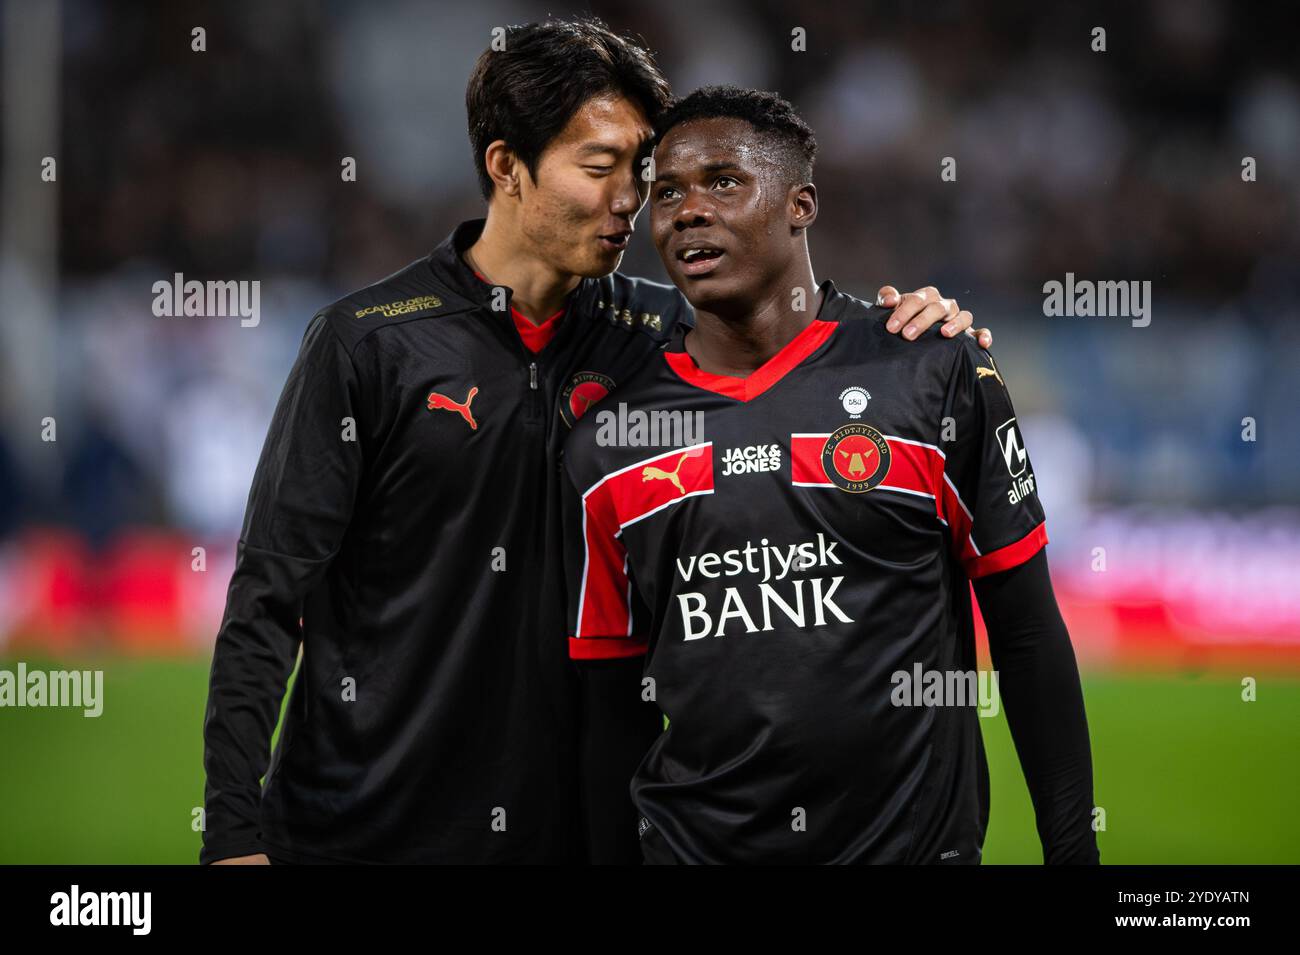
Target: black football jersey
(782, 547)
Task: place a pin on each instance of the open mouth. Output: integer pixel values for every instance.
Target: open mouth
(698, 261)
(615, 242)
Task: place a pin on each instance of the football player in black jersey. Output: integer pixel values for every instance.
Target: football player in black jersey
(782, 516)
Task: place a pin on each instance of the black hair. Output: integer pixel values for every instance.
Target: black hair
(794, 146)
(526, 93)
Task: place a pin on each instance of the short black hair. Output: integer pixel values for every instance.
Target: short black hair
(793, 143)
(526, 93)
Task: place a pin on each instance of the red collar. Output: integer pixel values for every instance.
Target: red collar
(535, 335)
(762, 378)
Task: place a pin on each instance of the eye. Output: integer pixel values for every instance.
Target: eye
(663, 193)
(599, 170)
(726, 179)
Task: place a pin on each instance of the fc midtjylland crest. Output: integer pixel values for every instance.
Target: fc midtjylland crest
(584, 390)
(856, 458)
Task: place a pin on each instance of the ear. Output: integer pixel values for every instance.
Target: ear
(802, 205)
(503, 166)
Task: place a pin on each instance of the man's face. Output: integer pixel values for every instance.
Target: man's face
(718, 211)
(579, 212)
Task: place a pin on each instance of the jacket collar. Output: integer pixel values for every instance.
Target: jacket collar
(450, 268)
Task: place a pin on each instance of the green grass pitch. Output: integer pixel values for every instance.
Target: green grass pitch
(1186, 771)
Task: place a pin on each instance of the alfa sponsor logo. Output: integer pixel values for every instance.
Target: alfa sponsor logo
(583, 390)
(1016, 459)
(1013, 448)
(856, 458)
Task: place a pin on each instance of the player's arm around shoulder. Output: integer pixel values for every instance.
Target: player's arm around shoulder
(914, 313)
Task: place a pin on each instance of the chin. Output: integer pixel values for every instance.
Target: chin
(599, 267)
(710, 295)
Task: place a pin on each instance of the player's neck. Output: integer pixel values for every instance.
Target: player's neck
(739, 340)
(537, 289)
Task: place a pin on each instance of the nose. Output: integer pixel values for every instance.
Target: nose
(628, 199)
(694, 211)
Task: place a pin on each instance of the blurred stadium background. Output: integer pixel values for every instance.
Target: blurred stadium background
(1122, 165)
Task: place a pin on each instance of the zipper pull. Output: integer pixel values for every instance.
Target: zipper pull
(532, 375)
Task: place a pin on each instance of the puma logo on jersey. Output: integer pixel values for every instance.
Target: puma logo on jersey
(437, 400)
(982, 372)
(857, 460)
(652, 473)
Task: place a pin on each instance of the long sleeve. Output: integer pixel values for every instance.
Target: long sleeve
(617, 730)
(299, 507)
(1038, 679)
(606, 619)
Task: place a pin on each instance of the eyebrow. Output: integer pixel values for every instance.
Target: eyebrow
(591, 149)
(717, 165)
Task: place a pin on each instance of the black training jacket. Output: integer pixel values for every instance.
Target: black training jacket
(405, 509)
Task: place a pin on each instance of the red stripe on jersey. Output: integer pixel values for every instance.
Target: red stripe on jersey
(611, 504)
(806, 459)
(919, 468)
(763, 377)
(1004, 558)
(648, 485)
(914, 468)
(602, 648)
(604, 602)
